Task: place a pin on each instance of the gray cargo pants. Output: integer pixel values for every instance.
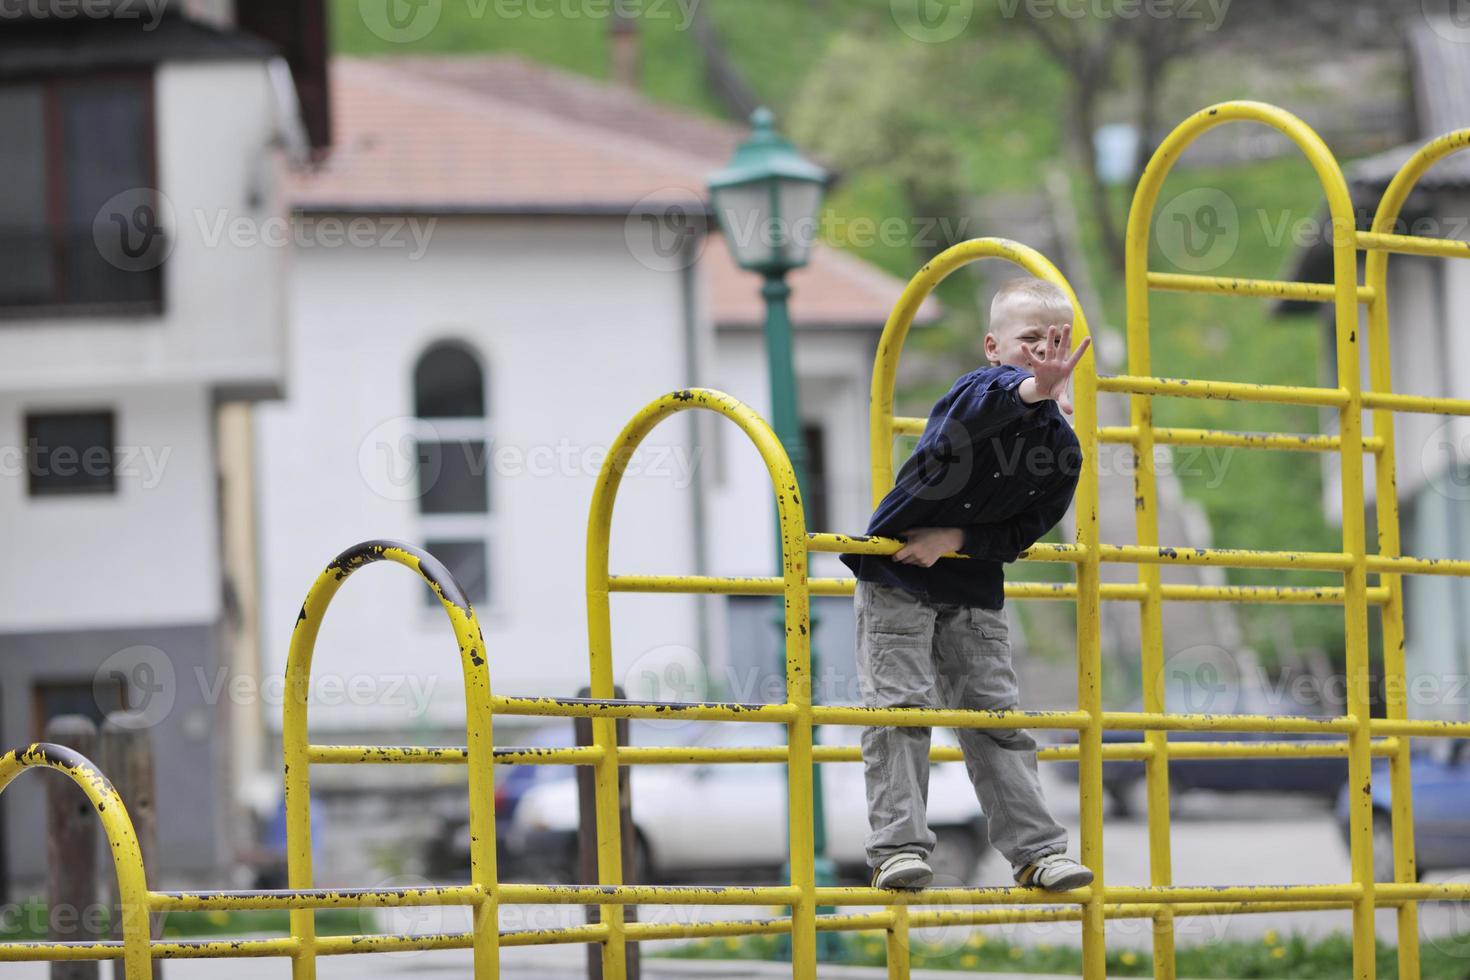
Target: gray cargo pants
(934, 655)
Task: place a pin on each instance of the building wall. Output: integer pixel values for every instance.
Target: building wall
(222, 320)
(575, 336)
(129, 583)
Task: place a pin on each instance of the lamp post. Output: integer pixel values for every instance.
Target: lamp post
(767, 200)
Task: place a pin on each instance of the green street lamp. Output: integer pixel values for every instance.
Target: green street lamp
(767, 201)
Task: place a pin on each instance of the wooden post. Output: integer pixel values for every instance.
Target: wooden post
(587, 837)
(127, 754)
(71, 851)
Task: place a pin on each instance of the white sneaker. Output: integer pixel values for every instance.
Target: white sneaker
(904, 870)
(1055, 873)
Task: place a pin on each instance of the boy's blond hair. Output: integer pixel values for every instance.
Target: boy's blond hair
(1028, 296)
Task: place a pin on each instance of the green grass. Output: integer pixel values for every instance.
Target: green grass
(973, 950)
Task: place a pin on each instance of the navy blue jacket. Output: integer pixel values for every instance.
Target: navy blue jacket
(988, 463)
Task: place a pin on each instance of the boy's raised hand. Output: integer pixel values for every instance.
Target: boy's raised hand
(1053, 369)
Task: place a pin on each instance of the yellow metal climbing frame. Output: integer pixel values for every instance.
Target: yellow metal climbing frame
(1354, 734)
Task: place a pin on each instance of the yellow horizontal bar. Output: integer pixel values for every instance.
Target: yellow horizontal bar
(586, 708)
(518, 894)
(829, 714)
(1227, 390)
(1448, 248)
(1422, 404)
(1314, 292)
(315, 898)
(1424, 891)
(1173, 894)
(386, 755)
(723, 585)
(1418, 566)
(1174, 722)
(1012, 895)
(30, 952)
(1128, 434)
(1331, 561)
(1419, 727)
(908, 425)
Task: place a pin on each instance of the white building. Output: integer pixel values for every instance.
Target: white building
(128, 334)
(508, 343)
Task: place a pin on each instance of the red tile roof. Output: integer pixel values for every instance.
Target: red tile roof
(499, 134)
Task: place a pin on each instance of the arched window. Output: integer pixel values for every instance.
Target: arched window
(455, 501)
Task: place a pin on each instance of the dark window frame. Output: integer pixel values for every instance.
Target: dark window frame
(56, 229)
(107, 488)
(75, 683)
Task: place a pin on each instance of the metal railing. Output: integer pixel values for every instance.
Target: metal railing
(1358, 737)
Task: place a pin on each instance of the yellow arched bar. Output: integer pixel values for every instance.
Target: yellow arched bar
(477, 735)
(881, 428)
(1380, 379)
(798, 664)
(1345, 300)
(127, 858)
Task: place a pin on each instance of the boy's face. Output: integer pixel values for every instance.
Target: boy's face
(1009, 342)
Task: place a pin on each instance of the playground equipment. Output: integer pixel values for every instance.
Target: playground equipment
(1355, 734)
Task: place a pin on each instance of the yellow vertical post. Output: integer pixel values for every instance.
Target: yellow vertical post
(798, 663)
(1146, 525)
(1375, 277)
(1089, 589)
(296, 747)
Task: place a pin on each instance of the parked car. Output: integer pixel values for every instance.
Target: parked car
(731, 818)
(1440, 775)
(447, 854)
(1318, 776)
